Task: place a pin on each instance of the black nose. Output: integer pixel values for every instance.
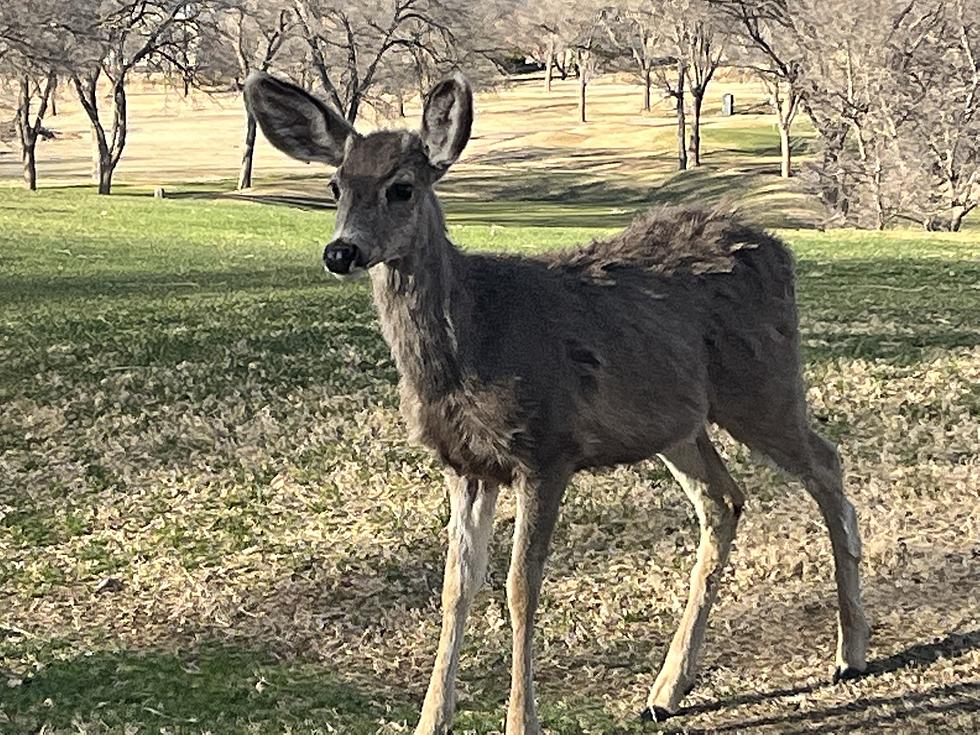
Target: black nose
(339, 257)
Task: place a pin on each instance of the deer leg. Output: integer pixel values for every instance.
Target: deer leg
(718, 502)
(814, 460)
(470, 525)
(537, 513)
(824, 482)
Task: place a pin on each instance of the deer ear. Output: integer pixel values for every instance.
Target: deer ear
(296, 122)
(447, 121)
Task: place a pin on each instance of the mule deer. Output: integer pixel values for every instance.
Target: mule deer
(522, 371)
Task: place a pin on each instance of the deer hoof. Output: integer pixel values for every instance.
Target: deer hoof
(846, 673)
(655, 714)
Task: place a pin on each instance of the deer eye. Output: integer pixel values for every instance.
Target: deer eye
(335, 190)
(400, 192)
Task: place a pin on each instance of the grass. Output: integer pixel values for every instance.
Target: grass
(211, 521)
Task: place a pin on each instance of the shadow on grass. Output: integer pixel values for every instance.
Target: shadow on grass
(953, 645)
(919, 707)
(217, 688)
(298, 201)
(54, 288)
(519, 187)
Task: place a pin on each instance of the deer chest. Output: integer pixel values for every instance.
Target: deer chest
(474, 429)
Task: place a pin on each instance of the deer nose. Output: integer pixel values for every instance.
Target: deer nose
(340, 257)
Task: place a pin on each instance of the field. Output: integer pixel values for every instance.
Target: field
(211, 521)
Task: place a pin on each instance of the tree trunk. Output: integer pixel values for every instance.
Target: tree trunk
(956, 219)
(29, 126)
(109, 154)
(30, 164)
(105, 177)
(695, 147)
(105, 155)
(96, 157)
(785, 155)
(880, 214)
(562, 65)
(681, 122)
(646, 89)
(104, 172)
(549, 67)
(248, 153)
(582, 83)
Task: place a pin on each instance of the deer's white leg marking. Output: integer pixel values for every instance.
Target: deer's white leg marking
(472, 504)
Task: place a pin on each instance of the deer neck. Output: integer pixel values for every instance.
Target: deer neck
(421, 304)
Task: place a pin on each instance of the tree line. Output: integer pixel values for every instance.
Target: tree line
(891, 87)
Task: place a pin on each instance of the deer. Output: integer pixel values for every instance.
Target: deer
(521, 371)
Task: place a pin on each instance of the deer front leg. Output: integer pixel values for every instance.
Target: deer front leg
(472, 504)
(537, 513)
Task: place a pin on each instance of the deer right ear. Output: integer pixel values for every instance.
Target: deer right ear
(447, 121)
(296, 122)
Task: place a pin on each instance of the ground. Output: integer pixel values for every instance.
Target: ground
(211, 520)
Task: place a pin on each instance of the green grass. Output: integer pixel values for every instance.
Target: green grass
(187, 399)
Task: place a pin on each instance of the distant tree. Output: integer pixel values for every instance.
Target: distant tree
(587, 43)
(941, 133)
(771, 43)
(542, 29)
(892, 88)
(348, 42)
(255, 31)
(705, 49)
(671, 77)
(633, 27)
(29, 121)
(111, 38)
(31, 47)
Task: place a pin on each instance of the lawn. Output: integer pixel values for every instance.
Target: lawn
(211, 521)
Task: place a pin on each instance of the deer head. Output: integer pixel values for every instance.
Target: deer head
(383, 181)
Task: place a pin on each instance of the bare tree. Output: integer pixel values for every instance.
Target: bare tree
(348, 42)
(32, 88)
(588, 37)
(114, 38)
(633, 26)
(705, 47)
(257, 31)
(672, 76)
(29, 121)
(30, 52)
(772, 46)
(543, 29)
(932, 111)
(892, 89)
(784, 97)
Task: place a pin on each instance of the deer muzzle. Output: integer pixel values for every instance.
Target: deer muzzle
(341, 258)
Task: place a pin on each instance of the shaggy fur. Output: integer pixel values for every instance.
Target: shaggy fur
(606, 354)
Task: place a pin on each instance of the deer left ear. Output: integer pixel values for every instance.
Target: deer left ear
(296, 122)
(447, 121)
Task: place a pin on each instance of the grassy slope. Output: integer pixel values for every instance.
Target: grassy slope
(191, 410)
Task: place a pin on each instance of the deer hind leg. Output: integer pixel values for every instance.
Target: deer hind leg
(718, 502)
(472, 504)
(537, 512)
(815, 461)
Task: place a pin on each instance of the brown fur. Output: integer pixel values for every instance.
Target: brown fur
(605, 354)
